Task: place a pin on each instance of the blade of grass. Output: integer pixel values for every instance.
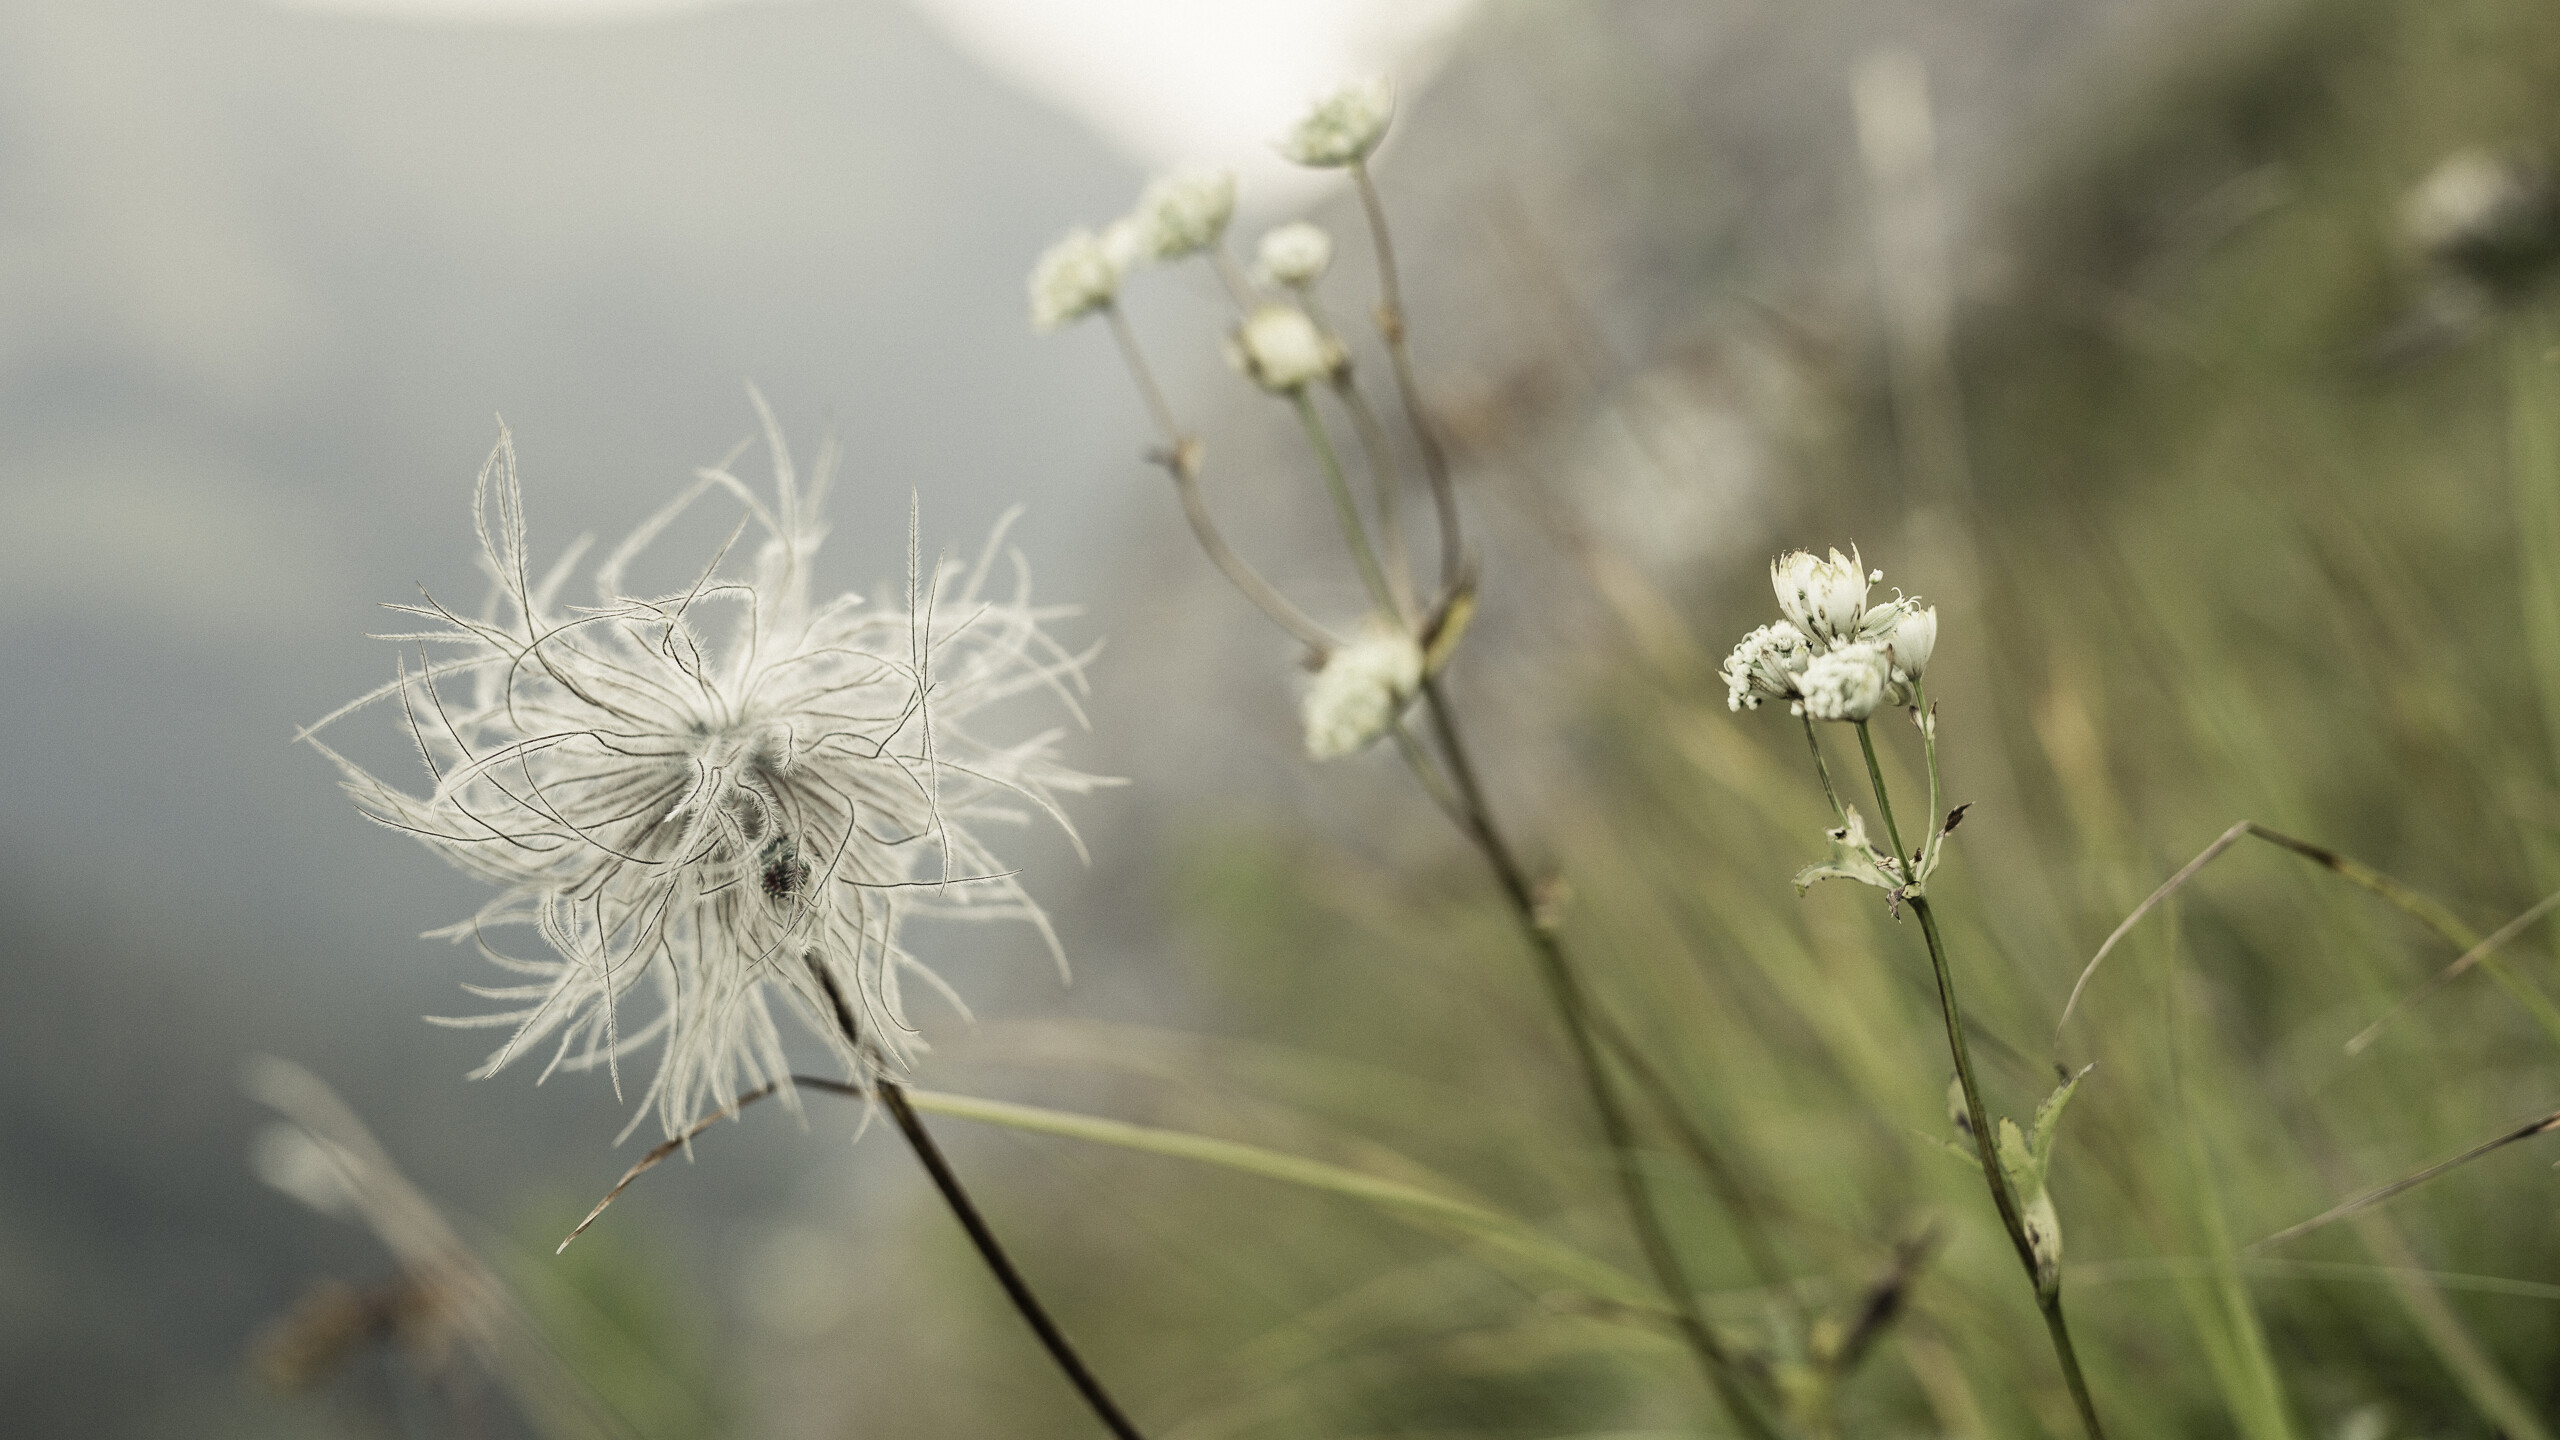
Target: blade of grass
(1498, 1232)
(2378, 1194)
(2425, 909)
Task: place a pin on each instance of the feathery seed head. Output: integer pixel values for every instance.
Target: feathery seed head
(1343, 127)
(1077, 276)
(1364, 686)
(718, 805)
(1184, 213)
(1846, 683)
(1294, 255)
(1280, 349)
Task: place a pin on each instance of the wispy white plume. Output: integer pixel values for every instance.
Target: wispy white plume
(717, 806)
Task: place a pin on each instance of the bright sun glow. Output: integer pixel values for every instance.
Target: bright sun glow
(1166, 81)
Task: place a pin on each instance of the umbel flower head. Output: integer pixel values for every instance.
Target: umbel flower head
(1077, 276)
(1362, 689)
(1835, 657)
(1280, 349)
(1844, 684)
(1343, 127)
(1184, 213)
(1296, 254)
(1765, 666)
(717, 805)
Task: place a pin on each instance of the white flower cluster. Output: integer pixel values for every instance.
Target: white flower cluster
(1073, 278)
(1343, 127)
(1187, 213)
(1834, 657)
(1184, 213)
(1362, 689)
(1280, 348)
(1294, 255)
(1177, 215)
(735, 819)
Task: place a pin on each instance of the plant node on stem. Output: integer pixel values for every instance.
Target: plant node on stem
(1977, 1117)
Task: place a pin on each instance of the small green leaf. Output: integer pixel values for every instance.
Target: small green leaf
(2017, 1160)
(1972, 1158)
(2049, 1117)
(1851, 858)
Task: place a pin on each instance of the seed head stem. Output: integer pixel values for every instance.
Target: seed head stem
(893, 1098)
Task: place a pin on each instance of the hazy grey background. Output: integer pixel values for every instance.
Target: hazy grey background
(265, 279)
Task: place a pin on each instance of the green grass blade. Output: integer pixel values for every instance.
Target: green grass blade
(1495, 1231)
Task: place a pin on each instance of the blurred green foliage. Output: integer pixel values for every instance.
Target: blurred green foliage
(2252, 524)
(2255, 519)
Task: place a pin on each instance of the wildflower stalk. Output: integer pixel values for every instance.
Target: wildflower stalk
(1390, 316)
(893, 1098)
(1181, 460)
(1977, 1117)
(1822, 769)
(1722, 1369)
(1757, 1245)
(1582, 1022)
(1355, 534)
(1382, 476)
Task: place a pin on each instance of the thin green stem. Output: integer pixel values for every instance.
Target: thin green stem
(1391, 329)
(2060, 1330)
(1823, 770)
(893, 1098)
(1354, 533)
(1978, 1118)
(1159, 408)
(1722, 1369)
(1884, 806)
(1231, 275)
(1181, 460)
(1382, 481)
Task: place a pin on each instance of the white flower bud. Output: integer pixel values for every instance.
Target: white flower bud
(1827, 599)
(1362, 688)
(1186, 213)
(1765, 666)
(1124, 244)
(1846, 684)
(1071, 280)
(1911, 640)
(1294, 255)
(1342, 128)
(1280, 349)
